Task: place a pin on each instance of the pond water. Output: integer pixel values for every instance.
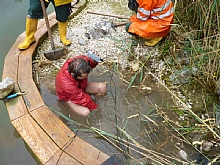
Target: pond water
(12, 148)
(119, 109)
(128, 109)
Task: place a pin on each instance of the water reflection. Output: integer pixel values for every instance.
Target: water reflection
(12, 147)
(126, 109)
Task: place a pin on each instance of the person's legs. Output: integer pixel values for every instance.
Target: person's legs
(153, 41)
(62, 14)
(35, 10)
(96, 88)
(127, 28)
(149, 41)
(34, 13)
(31, 28)
(78, 109)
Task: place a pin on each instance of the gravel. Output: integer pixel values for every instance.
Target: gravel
(113, 44)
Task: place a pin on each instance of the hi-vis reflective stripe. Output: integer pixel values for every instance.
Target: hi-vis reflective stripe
(163, 7)
(169, 12)
(142, 10)
(142, 18)
(147, 12)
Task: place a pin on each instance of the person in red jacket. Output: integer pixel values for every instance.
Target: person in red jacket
(152, 20)
(72, 85)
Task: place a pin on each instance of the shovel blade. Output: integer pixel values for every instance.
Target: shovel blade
(54, 54)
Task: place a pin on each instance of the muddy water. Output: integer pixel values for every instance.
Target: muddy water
(121, 107)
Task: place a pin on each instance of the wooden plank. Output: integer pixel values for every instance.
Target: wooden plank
(78, 7)
(53, 126)
(39, 142)
(48, 137)
(84, 152)
(41, 22)
(31, 49)
(25, 64)
(41, 33)
(61, 158)
(32, 99)
(51, 16)
(43, 29)
(16, 106)
(11, 61)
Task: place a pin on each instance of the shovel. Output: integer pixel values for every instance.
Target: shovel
(55, 53)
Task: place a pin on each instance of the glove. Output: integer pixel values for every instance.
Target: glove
(133, 5)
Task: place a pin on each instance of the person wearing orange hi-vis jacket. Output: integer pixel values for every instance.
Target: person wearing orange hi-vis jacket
(35, 12)
(152, 20)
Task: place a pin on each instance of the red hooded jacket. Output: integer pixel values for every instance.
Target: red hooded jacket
(71, 89)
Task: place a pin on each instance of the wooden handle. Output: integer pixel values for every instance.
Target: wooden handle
(47, 24)
(119, 24)
(107, 15)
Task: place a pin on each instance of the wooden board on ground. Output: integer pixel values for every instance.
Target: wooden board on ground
(16, 106)
(11, 61)
(41, 22)
(45, 134)
(32, 99)
(76, 8)
(85, 152)
(42, 30)
(53, 126)
(61, 158)
(39, 142)
(25, 65)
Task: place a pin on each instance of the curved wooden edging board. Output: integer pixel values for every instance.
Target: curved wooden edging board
(46, 135)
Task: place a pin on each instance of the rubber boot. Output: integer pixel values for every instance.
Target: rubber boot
(62, 30)
(31, 28)
(153, 41)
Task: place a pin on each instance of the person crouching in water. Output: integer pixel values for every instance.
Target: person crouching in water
(152, 20)
(72, 85)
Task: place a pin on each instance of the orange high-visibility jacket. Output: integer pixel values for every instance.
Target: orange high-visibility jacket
(153, 18)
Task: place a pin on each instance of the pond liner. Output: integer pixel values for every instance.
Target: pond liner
(49, 139)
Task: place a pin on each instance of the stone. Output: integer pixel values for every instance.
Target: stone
(6, 87)
(182, 76)
(82, 42)
(182, 154)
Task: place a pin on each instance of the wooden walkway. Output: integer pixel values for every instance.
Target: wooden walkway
(52, 142)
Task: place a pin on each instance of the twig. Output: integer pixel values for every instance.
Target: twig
(119, 24)
(143, 82)
(150, 120)
(214, 160)
(107, 15)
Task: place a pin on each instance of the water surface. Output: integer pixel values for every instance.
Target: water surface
(12, 147)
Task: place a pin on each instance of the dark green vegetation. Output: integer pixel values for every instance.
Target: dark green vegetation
(195, 43)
